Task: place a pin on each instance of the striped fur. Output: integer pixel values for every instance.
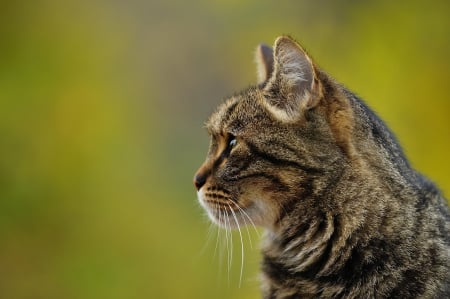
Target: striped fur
(345, 215)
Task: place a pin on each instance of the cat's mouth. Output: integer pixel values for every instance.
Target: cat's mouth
(221, 208)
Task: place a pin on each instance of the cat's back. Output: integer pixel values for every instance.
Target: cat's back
(414, 233)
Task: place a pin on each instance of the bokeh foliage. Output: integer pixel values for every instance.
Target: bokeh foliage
(101, 111)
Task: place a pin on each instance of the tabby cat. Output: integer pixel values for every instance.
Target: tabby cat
(345, 215)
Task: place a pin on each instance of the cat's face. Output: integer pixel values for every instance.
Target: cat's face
(267, 143)
(235, 183)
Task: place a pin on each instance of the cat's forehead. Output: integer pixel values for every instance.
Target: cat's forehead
(236, 113)
(215, 123)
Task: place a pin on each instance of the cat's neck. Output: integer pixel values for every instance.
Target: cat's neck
(318, 240)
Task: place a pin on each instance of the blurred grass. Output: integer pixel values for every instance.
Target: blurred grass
(101, 111)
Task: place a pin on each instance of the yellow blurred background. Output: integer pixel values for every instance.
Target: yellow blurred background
(102, 105)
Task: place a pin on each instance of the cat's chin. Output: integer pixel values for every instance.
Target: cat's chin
(226, 222)
(221, 213)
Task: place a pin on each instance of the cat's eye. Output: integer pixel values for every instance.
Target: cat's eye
(232, 143)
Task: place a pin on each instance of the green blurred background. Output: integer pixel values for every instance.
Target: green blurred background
(101, 111)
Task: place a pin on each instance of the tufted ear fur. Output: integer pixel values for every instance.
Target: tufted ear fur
(293, 85)
(264, 62)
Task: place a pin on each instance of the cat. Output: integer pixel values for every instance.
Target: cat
(344, 214)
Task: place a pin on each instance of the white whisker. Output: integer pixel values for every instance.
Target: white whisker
(217, 240)
(220, 241)
(246, 226)
(227, 244)
(208, 239)
(242, 245)
(248, 217)
(231, 241)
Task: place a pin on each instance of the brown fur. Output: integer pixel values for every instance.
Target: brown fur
(345, 214)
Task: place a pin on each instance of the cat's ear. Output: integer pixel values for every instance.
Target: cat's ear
(293, 86)
(264, 62)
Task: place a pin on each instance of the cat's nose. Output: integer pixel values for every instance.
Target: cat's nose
(199, 180)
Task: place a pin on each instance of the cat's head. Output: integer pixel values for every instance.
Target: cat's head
(273, 145)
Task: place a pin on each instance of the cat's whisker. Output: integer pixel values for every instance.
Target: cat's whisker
(231, 242)
(208, 239)
(245, 222)
(220, 240)
(225, 214)
(217, 238)
(217, 242)
(249, 218)
(242, 245)
(246, 227)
